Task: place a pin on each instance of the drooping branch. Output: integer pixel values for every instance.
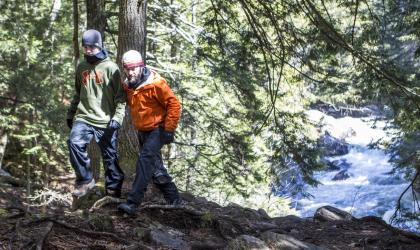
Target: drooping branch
(333, 36)
(398, 208)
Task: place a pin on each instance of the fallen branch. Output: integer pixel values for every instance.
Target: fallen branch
(104, 201)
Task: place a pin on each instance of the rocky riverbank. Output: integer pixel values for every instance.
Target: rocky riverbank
(197, 224)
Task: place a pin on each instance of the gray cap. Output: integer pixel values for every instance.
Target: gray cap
(92, 37)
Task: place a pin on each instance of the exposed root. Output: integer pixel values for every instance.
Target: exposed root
(41, 240)
(185, 208)
(104, 201)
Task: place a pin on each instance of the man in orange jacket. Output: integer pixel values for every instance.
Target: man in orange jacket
(155, 112)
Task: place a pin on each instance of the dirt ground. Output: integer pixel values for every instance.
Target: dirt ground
(198, 224)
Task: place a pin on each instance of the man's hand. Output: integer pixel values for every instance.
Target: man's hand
(69, 123)
(113, 124)
(167, 137)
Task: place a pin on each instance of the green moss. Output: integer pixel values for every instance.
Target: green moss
(3, 213)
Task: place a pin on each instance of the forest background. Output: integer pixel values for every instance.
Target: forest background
(245, 71)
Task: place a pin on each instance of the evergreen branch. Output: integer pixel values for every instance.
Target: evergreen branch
(332, 34)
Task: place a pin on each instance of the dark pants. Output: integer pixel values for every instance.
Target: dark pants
(150, 166)
(80, 136)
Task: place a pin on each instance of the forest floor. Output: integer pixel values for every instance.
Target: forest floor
(198, 224)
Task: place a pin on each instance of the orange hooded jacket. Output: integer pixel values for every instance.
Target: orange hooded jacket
(153, 104)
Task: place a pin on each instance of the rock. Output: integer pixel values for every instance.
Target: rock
(263, 213)
(333, 146)
(101, 222)
(328, 213)
(4, 172)
(335, 165)
(247, 242)
(162, 238)
(342, 175)
(207, 245)
(286, 242)
(87, 201)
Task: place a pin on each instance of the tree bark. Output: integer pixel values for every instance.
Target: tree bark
(76, 32)
(131, 36)
(132, 27)
(3, 144)
(53, 16)
(96, 18)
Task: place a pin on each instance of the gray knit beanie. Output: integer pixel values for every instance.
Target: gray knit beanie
(92, 37)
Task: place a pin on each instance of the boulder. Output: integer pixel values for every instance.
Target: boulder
(286, 242)
(339, 164)
(333, 146)
(162, 238)
(342, 175)
(329, 213)
(247, 242)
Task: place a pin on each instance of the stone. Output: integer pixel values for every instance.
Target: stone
(333, 146)
(101, 222)
(247, 242)
(342, 175)
(263, 213)
(286, 242)
(161, 238)
(329, 213)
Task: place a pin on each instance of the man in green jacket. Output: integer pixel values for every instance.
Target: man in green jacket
(96, 111)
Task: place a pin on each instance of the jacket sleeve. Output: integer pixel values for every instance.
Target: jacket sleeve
(76, 97)
(169, 101)
(120, 97)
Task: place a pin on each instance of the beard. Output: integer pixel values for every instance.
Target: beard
(134, 79)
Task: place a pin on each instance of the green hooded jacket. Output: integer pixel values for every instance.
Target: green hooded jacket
(99, 95)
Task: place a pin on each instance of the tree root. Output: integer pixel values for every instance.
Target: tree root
(16, 182)
(104, 201)
(185, 208)
(40, 243)
(102, 234)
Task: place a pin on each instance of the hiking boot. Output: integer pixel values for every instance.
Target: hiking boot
(113, 193)
(82, 189)
(128, 208)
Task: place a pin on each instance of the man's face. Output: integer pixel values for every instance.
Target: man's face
(91, 50)
(133, 74)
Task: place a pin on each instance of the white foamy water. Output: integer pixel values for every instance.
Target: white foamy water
(370, 189)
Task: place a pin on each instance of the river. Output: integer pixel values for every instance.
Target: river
(369, 189)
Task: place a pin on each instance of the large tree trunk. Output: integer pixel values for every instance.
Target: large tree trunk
(132, 27)
(131, 35)
(96, 19)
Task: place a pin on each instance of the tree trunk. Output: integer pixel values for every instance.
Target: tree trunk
(96, 19)
(76, 32)
(131, 35)
(3, 144)
(53, 16)
(132, 27)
